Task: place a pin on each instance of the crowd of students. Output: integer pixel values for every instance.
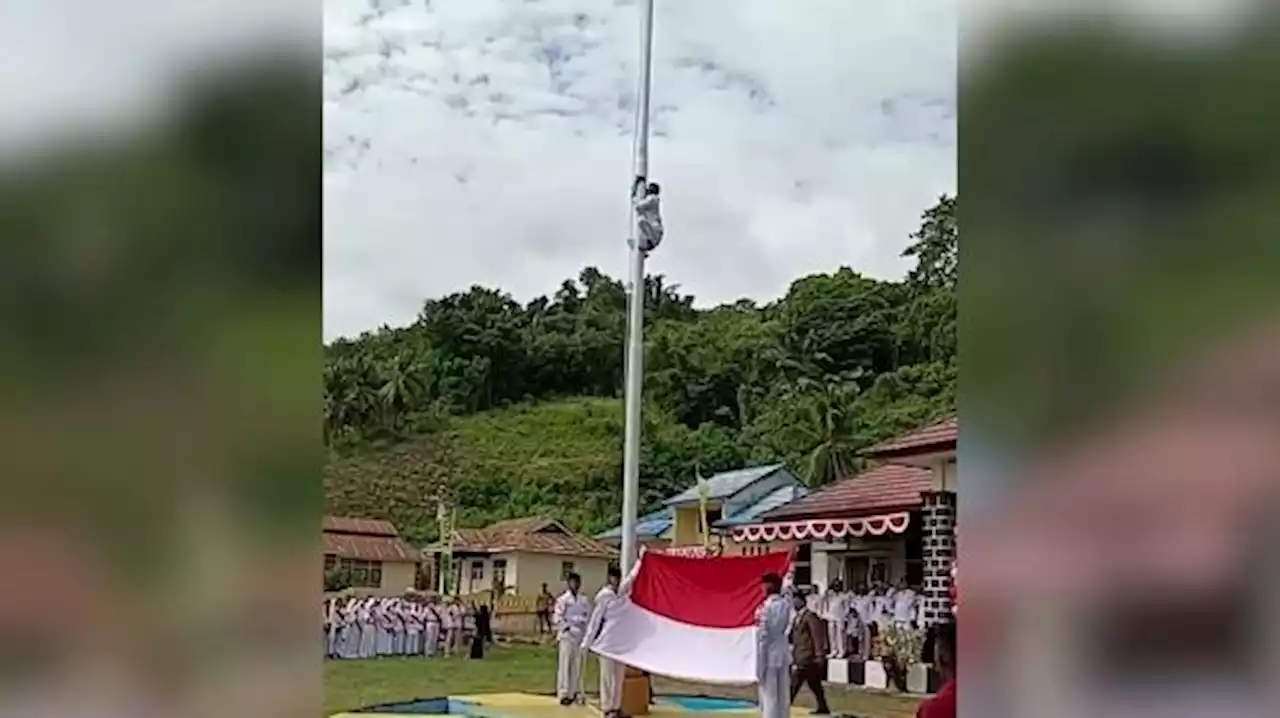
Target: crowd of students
(414, 625)
(854, 618)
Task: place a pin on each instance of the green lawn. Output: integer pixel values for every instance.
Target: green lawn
(531, 669)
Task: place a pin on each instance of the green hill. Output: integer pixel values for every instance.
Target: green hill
(515, 409)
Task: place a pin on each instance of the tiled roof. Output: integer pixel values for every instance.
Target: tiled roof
(725, 484)
(885, 488)
(365, 539)
(934, 437)
(653, 525)
(536, 535)
(779, 497)
(364, 527)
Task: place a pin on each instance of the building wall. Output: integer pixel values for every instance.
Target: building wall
(535, 569)
(396, 577)
(945, 476)
(734, 548)
(684, 531)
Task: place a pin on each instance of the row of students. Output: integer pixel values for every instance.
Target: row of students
(853, 618)
(372, 627)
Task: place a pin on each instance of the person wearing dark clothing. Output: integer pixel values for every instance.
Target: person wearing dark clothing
(484, 624)
(809, 648)
(543, 610)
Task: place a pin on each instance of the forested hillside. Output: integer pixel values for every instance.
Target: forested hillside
(517, 408)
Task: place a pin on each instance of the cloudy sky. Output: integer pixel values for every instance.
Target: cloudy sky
(489, 142)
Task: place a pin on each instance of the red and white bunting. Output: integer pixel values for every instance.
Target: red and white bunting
(687, 551)
(823, 529)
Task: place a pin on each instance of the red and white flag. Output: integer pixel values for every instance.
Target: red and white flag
(690, 618)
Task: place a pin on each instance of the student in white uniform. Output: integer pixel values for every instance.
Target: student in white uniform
(349, 630)
(451, 624)
(837, 619)
(644, 197)
(882, 606)
(860, 623)
(384, 621)
(413, 628)
(611, 672)
(905, 608)
(368, 630)
(773, 650)
(431, 628)
(398, 626)
(569, 620)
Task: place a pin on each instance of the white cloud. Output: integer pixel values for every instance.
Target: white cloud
(489, 142)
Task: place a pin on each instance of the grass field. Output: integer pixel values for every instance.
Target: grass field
(532, 669)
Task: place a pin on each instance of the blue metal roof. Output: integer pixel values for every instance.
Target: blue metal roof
(771, 501)
(723, 485)
(653, 525)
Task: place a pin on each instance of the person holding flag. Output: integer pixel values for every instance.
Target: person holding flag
(611, 671)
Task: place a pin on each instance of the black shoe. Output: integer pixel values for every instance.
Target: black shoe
(566, 701)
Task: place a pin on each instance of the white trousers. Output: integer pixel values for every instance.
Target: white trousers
(451, 636)
(349, 642)
(368, 641)
(413, 642)
(836, 638)
(431, 639)
(611, 674)
(569, 668)
(775, 693)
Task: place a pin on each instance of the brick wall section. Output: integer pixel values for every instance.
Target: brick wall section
(938, 517)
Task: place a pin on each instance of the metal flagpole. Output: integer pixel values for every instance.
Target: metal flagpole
(635, 328)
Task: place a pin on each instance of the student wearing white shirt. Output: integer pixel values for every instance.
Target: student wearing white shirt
(904, 605)
(859, 622)
(645, 198)
(569, 619)
(451, 624)
(773, 650)
(882, 605)
(837, 619)
(431, 628)
(607, 601)
(413, 628)
(368, 629)
(349, 630)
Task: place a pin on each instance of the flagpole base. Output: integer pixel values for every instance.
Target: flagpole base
(635, 693)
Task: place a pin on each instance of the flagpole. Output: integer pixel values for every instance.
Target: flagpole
(635, 310)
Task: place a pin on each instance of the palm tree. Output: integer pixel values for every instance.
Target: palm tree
(830, 428)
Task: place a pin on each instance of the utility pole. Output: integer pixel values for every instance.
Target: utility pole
(635, 322)
(445, 514)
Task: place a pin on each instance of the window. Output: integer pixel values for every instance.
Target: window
(500, 573)
(477, 571)
(364, 574)
(566, 568)
(713, 515)
(330, 561)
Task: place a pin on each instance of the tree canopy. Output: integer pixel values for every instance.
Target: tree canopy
(516, 408)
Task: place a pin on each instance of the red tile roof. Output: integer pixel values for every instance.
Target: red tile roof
(365, 539)
(535, 535)
(890, 487)
(940, 436)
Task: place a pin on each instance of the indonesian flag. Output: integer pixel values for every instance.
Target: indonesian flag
(690, 618)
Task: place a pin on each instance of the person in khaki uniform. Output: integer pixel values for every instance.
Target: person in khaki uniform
(809, 649)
